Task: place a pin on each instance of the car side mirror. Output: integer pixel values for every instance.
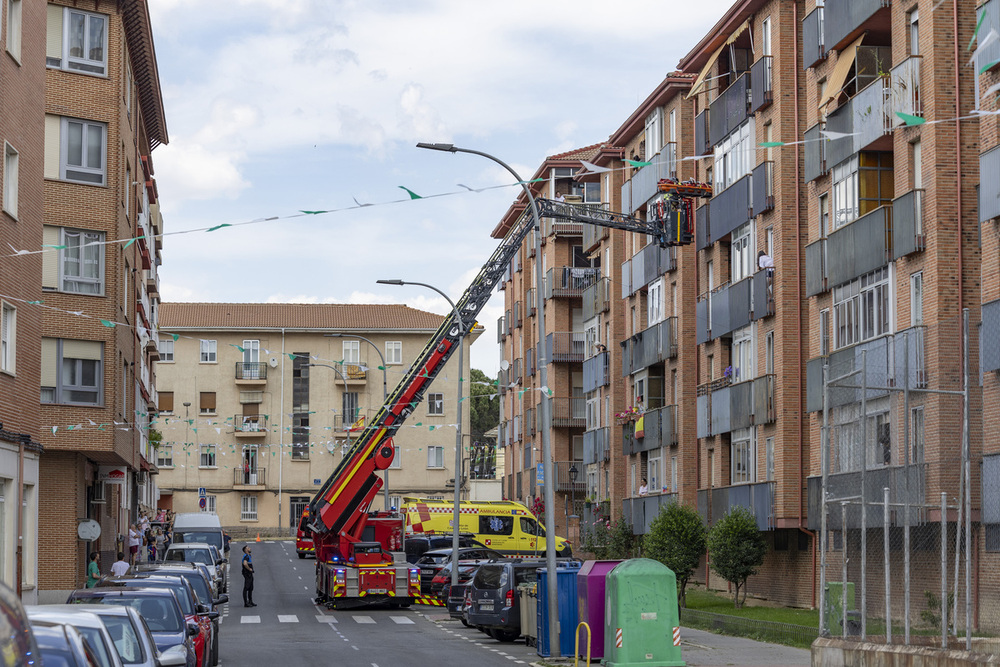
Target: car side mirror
(193, 630)
(221, 561)
(175, 656)
(222, 599)
(201, 608)
(210, 615)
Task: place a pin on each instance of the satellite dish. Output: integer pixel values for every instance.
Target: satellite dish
(504, 365)
(88, 530)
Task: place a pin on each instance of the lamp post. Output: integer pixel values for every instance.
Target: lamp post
(458, 428)
(187, 427)
(573, 474)
(546, 409)
(385, 394)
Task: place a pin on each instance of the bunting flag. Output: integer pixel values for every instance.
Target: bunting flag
(413, 195)
(637, 163)
(911, 120)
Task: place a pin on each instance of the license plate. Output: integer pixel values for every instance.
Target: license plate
(485, 607)
(375, 591)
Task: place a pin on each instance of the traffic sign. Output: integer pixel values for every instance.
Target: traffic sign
(201, 492)
(201, 503)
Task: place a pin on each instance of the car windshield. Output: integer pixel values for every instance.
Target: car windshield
(197, 582)
(190, 556)
(96, 640)
(159, 612)
(488, 577)
(177, 587)
(433, 559)
(125, 638)
(53, 657)
(207, 536)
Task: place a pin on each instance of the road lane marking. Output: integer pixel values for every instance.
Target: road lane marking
(288, 618)
(401, 620)
(324, 618)
(363, 619)
(249, 619)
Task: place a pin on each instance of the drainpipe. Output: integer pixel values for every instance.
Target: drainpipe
(281, 426)
(19, 559)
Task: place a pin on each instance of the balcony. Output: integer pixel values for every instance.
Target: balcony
(762, 186)
(814, 147)
(643, 184)
(518, 309)
(840, 120)
(813, 50)
(250, 426)
(531, 301)
(515, 372)
(702, 142)
(989, 355)
(568, 281)
(501, 329)
(887, 360)
(816, 281)
(595, 372)
(731, 208)
(508, 320)
(515, 429)
(761, 89)
(346, 423)
(253, 479)
(873, 117)
(251, 372)
(844, 20)
(988, 56)
(558, 227)
(596, 299)
(730, 109)
(905, 82)
(908, 224)
(566, 346)
(763, 294)
(529, 362)
(714, 504)
(989, 185)
(596, 445)
(352, 372)
(569, 412)
(152, 283)
(724, 407)
(640, 512)
(531, 421)
(702, 227)
(564, 484)
(647, 265)
(728, 308)
(859, 247)
(650, 346)
(904, 484)
(659, 429)
(593, 235)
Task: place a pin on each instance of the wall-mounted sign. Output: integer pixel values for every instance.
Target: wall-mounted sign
(111, 474)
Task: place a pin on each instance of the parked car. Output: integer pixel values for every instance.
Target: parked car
(197, 552)
(61, 645)
(417, 545)
(158, 607)
(442, 580)
(17, 641)
(494, 603)
(432, 562)
(89, 625)
(199, 527)
(221, 561)
(193, 609)
(456, 599)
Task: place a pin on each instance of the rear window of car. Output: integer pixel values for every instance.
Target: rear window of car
(433, 559)
(525, 575)
(159, 612)
(190, 556)
(125, 638)
(213, 537)
(489, 577)
(96, 640)
(177, 587)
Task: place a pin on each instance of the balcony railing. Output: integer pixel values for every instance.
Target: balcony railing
(989, 355)
(761, 91)
(353, 371)
(596, 299)
(762, 185)
(908, 224)
(644, 181)
(989, 185)
(518, 308)
(730, 109)
(724, 407)
(906, 88)
(595, 372)
(501, 329)
(251, 370)
(714, 504)
(762, 293)
(905, 484)
(243, 477)
(702, 227)
(566, 346)
(560, 227)
(702, 142)
(843, 19)
(569, 281)
(531, 301)
(650, 346)
(728, 308)
(731, 208)
(515, 372)
(250, 425)
(812, 38)
(563, 482)
(639, 512)
(508, 323)
(873, 117)
(531, 421)
(816, 280)
(840, 120)
(596, 444)
(529, 362)
(859, 247)
(569, 412)
(988, 54)
(593, 235)
(814, 147)
(659, 428)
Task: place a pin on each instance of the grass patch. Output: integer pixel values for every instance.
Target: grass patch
(703, 600)
(778, 625)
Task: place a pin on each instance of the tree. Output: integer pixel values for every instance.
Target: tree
(737, 549)
(484, 404)
(610, 541)
(677, 538)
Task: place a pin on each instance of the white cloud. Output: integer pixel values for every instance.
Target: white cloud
(192, 171)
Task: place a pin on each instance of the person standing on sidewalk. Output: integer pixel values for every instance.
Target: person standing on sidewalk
(247, 569)
(93, 570)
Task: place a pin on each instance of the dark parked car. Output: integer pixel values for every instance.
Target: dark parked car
(417, 545)
(456, 598)
(442, 580)
(432, 562)
(61, 645)
(16, 638)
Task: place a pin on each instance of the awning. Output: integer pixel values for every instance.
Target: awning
(739, 31)
(838, 79)
(704, 72)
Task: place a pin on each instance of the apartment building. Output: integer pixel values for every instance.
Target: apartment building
(103, 117)
(21, 213)
(259, 402)
(568, 272)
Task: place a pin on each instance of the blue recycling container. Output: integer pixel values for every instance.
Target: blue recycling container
(568, 610)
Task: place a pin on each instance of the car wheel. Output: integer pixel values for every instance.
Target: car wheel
(464, 622)
(302, 556)
(215, 648)
(505, 636)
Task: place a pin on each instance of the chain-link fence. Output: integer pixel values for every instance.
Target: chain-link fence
(900, 474)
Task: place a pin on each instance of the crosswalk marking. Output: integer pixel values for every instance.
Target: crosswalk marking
(288, 618)
(401, 620)
(326, 618)
(249, 619)
(363, 619)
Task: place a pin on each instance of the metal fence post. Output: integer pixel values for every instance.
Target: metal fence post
(944, 570)
(885, 564)
(967, 466)
(864, 494)
(906, 485)
(824, 470)
(843, 583)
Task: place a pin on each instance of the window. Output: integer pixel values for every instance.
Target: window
(435, 457)
(210, 504)
(861, 184)
(769, 353)
(862, 309)
(591, 193)
(673, 474)
(165, 455)
(734, 157)
(248, 508)
(251, 354)
(352, 351)
(879, 435)
(917, 168)
(166, 349)
(673, 125)
(653, 472)
(165, 402)
(765, 36)
(743, 456)
(913, 18)
(206, 403)
(393, 352)
(743, 348)
(654, 133)
(769, 455)
(435, 404)
(14, 29)
(916, 299)
(8, 337)
(397, 461)
(593, 413)
(845, 192)
(208, 351)
(82, 148)
(10, 164)
(824, 332)
(654, 302)
(742, 259)
(77, 265)
(824, 215)
(496, 525)
(207, 456)
(351, 406)
(78, 41)
(72, 371)
(128, 192)
(917, 435)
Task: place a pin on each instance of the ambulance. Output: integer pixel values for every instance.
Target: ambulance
(503, 525)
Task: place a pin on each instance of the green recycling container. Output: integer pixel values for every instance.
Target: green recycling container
(641, 624)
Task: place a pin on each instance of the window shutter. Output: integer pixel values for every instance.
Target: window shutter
(207, 401)
(165, 401)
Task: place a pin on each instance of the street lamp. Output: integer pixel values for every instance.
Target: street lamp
(385, 394)
(573, 474)
(545, 408)
(458, 429)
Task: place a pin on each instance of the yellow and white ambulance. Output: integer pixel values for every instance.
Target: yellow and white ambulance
(503, 525)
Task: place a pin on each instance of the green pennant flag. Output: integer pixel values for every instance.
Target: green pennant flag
(130, 242)
(534, 180)
(237, 347)
(771, 144)
(911, 120)
(313, 212)
(176, 337)
(987, 66)
(413, 195)
(108, 323)
(291, 355)
(419, 424)
(212, 229)
(637, 163)
(381, 368)
(36, 303)
(54, 247)
(979, 25)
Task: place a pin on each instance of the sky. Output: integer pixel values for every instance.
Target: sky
(279, 106)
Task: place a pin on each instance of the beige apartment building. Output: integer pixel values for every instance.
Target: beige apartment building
(258, 403)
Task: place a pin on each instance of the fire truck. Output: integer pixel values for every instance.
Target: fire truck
(360, 558)
(304, 537)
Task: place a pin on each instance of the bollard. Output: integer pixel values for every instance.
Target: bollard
(576, 647)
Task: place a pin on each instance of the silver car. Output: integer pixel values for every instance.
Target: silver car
(199, 552)
(87, 623)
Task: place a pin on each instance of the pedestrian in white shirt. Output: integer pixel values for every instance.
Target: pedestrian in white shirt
(120, 567)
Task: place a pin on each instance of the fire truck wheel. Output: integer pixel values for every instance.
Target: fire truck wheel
(302, 556)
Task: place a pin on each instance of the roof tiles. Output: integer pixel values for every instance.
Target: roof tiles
(358, 317)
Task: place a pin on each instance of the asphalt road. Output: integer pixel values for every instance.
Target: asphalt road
(287, 629)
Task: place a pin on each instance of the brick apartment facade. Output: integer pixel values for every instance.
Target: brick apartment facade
(245, 417)
(103, 116)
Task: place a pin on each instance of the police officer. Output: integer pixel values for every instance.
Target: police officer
(247, 569)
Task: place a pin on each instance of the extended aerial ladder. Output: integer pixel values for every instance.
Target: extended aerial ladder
(357, 551)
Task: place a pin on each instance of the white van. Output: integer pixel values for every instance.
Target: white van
(198, 527)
